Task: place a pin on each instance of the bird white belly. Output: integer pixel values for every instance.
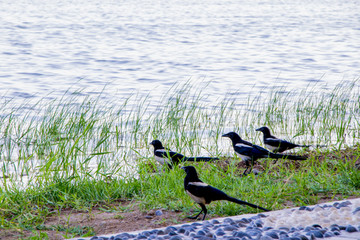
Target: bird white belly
(195, 198)
(243, 157)
(271, 148)
(161, 160)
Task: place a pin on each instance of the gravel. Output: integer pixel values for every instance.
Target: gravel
(303, 223)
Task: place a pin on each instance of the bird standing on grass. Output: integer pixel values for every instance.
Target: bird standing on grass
(249, 152)
(203, 193)
(166, 156)
(275, 144)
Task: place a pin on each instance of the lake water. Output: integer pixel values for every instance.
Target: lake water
(142, 46)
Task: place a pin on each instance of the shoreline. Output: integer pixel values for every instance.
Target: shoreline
(315, 221)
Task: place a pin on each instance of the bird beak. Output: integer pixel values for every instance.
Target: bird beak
(183, 168)
(225, 135)
(259, 129)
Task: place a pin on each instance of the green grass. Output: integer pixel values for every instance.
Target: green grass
(79, 154)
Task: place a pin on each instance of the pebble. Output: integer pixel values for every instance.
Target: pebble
(329, 234)
(258, 223)
(316, 234)
(229, 220)
(242, 235)
(350, 228)
(356, 210)
(181, 230)
(272, 234)
(254, 233)
(220, 232)
(158, 213)
(215, 221)
(265, 238)
(322, 221)
(230, 228)
(176, 238)
(342, 227)
(170, 229)
(303, 237)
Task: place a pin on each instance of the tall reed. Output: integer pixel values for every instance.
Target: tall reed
(74, 152)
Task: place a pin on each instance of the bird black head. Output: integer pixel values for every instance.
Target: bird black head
(264, 130)
(190, 171)
(232, 135)
(157, 144)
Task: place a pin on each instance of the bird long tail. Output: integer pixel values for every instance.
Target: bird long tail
(305, 146)
(316, 146)
(201, 159)
(238, 201)
(286, 156)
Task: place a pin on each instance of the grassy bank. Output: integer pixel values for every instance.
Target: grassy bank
(67, 154)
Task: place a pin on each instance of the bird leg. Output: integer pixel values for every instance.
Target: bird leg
(203, 209)
(195, 217)
(244, 173)
(247, 167)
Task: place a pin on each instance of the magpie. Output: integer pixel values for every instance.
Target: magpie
(203, 193)
(249, 152)
(166, 156)
(275, 144)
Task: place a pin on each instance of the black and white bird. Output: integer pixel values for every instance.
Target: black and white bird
(203, 193)
(249, 152)
(275, 144)
(166, 156)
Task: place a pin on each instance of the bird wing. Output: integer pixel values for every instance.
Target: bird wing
(260, 149)
(173, 156)
(246, 142)
(275, 142)
(253, 151)
(242, 148)
(279, 145)
(279, 142)
(205, 192)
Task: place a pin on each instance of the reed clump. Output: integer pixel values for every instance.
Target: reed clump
(71, 153)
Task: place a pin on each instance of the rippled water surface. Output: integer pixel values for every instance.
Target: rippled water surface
(142, 46)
